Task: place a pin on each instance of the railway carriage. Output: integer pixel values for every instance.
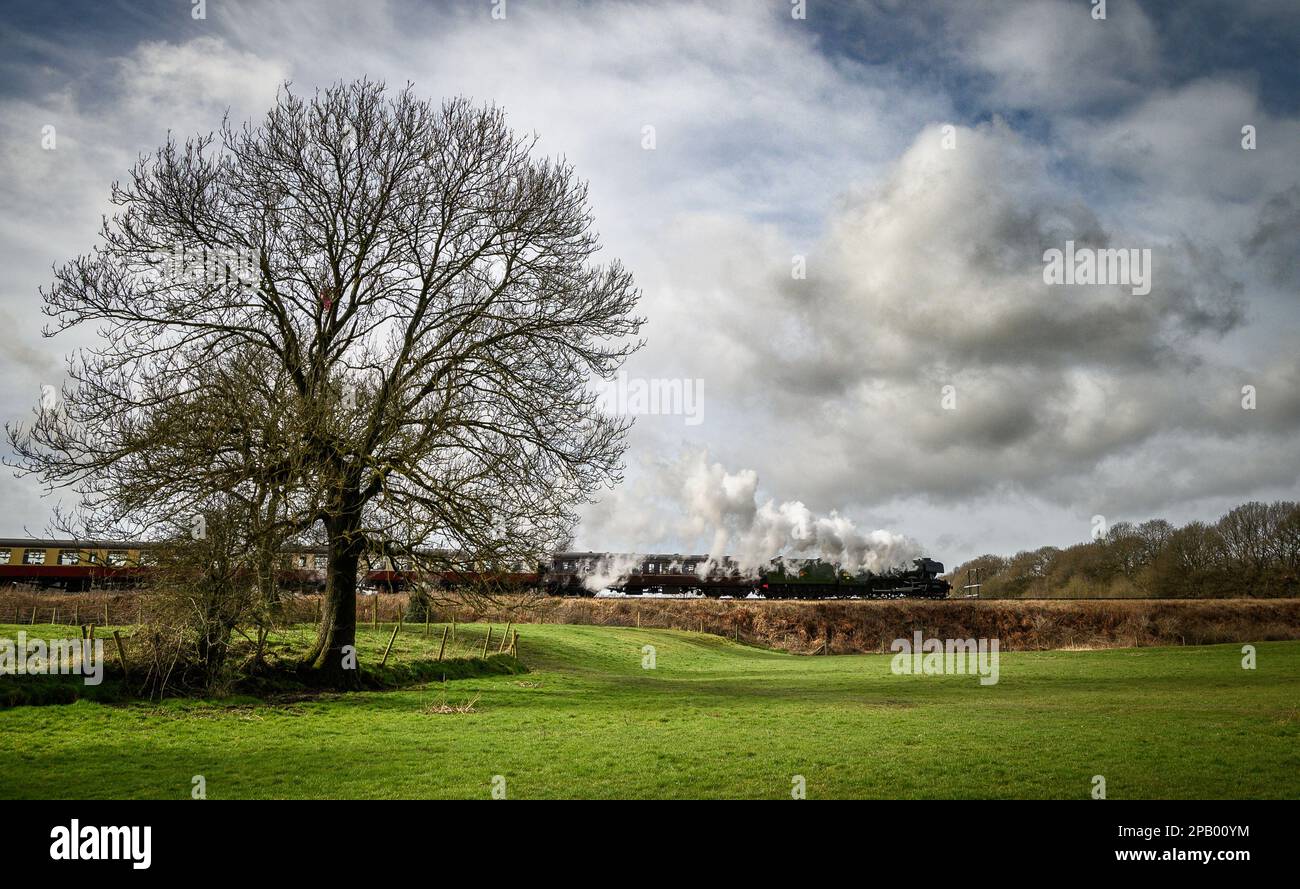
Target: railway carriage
(72, 565)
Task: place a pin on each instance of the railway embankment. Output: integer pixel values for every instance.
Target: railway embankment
(847, 627)
(805, 627)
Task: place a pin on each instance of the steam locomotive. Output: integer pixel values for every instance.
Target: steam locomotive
(577, 574)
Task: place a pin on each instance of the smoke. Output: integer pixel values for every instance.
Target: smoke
(725, 507)
(605, 571)
(695, 505)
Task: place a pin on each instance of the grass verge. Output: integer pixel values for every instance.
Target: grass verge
(711, 719)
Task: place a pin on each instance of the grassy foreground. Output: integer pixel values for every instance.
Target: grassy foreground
(712, 719)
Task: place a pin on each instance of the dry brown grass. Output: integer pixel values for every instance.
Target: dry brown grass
(17, 605)
(442, 708)
(842, 627)
(845, 627)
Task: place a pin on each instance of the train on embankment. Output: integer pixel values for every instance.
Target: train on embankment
(74, 565)
(782, 578)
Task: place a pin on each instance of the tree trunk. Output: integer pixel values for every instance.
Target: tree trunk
(338, 621)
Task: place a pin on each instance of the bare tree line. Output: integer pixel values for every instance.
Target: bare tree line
(1254, 550)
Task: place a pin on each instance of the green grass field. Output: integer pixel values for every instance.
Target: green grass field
(713, 719)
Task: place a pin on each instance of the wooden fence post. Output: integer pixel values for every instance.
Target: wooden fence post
(105, 614)
(443, 646)
(514, 646)
(390, 644)
(453, 629)
(504, 639)
(121, 650)
(54, 616)
(374, 613)
(486, 640)
(33, 620)
(76, 614)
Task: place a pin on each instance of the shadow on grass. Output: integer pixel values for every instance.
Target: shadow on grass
(278, 683)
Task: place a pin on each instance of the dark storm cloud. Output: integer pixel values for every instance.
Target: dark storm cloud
(1276, 239)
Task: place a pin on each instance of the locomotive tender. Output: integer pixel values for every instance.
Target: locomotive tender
(80, 565)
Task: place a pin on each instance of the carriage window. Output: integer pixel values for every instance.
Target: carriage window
(5, 555)
(116, 557)
(34, 557)
(322, 562)
(302, 561)
(68, 557)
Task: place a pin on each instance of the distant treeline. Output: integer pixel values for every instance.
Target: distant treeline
(1254, 550)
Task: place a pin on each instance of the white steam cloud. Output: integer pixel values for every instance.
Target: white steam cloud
(606, 571)
(725, 506)
(697, 506)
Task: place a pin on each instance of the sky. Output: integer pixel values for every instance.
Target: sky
(838, 215)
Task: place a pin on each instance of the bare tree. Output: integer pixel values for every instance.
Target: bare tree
(417, 300)
(1246, 539)
(199, 593)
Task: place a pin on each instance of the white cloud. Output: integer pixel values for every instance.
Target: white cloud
(923, 264)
